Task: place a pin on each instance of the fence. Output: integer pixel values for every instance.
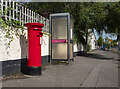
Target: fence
(12, 10)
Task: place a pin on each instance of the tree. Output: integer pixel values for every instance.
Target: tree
(107, 43)
(79, 11)
(113, 20)
(114, 43)
(106, 40)
(100, 41)
(46, 8)
(87, 15)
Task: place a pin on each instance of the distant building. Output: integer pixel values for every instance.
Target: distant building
(92, 41)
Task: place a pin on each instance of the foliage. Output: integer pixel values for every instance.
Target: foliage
(45, 33)
(87, 15)
(113, 18)
(114, 43)
(10, 27)
(106, 40)
(108, 46)
(107, 43)
(100, 41)
(89, 47)
(45, 9)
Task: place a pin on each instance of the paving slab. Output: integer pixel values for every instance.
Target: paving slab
(94, 70)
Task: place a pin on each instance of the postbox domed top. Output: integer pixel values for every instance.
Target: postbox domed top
(34, 25)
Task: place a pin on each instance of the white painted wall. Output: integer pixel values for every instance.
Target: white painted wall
(78, 47)
(3, 47)
(11, 52)
(75, 48)
(91, 41)
(45, 46)
(18, 47)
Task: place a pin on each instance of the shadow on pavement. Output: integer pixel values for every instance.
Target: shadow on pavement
(94, 55)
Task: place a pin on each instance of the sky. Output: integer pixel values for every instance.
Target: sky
(104, 35)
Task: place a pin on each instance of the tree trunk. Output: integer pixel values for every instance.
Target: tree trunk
(86, 45)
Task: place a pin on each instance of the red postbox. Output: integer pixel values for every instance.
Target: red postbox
(34, 48)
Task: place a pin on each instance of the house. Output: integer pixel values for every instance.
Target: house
(91, 41)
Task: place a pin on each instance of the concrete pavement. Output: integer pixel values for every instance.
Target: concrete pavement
(97, 69)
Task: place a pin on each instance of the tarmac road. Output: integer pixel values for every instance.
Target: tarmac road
(96, 69)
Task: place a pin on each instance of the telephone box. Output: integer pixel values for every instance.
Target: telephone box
(61, 29)
(34, 48)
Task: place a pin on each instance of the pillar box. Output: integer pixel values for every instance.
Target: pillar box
(34, 48)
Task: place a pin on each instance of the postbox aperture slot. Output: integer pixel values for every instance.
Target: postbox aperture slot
(40, 33)
(37, 29)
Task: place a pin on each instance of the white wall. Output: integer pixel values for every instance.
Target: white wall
(18, 47)
(91, 40)
(78, 47)
(3, 47)
(45, 46)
